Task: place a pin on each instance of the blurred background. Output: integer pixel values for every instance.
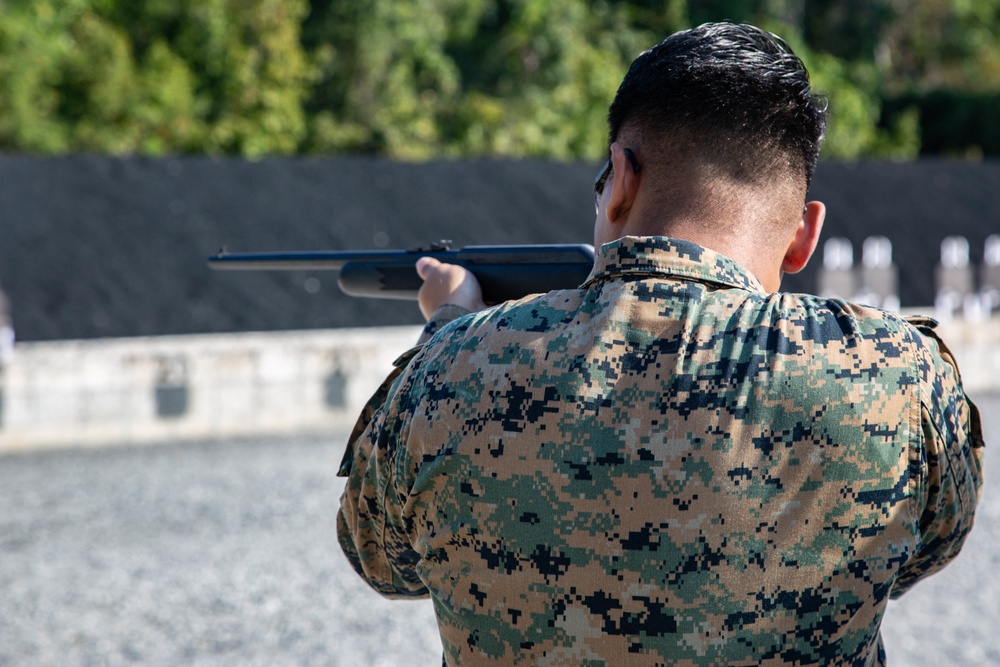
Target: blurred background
(168, 434)
(457, 78)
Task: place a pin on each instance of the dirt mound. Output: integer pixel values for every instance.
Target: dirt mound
(97, 247)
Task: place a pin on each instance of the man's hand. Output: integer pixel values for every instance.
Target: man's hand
(447, 283)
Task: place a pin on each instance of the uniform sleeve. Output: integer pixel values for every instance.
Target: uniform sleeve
(440, 317)
(368, 523)
(950, 463)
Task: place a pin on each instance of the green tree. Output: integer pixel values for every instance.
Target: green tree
(424, 78)
(216, 76)
(468, 77)
(384, 75)
(253, 72)
(539, 76)
(33, 48)
(953, 44)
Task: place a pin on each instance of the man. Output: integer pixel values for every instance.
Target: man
(673, 464)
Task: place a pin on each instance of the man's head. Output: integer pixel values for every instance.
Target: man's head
(732, 95)
(724, 133)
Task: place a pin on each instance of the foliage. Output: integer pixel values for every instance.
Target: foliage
(853, 129)
(220, 76)
(952, 123)
(425, 78)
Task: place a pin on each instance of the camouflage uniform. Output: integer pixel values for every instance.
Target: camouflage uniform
(668, 466)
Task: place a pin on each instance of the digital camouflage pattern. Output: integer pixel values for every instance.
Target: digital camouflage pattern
(667, 466)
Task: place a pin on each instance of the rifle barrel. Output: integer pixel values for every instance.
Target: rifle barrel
(503, 271)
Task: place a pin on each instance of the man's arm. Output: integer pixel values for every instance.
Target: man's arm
(951, 462)
(368, 525)
(449, 292)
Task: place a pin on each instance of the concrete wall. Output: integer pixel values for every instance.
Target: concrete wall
(976, 345)
(175, 388)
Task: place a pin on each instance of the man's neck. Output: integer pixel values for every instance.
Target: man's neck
(730, 239)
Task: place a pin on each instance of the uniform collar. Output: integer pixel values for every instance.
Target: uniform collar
(662, 256)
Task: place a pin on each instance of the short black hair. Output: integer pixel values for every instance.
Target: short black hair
(736, 94)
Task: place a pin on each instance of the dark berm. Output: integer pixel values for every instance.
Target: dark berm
(106, 247)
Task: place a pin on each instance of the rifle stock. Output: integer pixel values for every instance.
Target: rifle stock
(504, 272)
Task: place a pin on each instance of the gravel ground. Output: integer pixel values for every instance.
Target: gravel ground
(209, 554)
(224, 554)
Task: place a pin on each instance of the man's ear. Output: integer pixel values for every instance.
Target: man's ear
(806, 238)
(624, 186)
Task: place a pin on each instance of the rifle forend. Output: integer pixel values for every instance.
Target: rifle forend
(504, 272)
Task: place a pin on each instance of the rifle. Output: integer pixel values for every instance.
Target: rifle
(504, 272)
